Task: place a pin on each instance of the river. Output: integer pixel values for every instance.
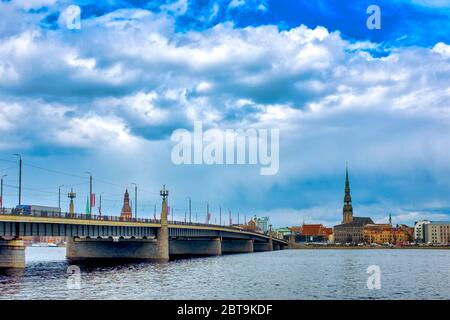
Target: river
(287, 274)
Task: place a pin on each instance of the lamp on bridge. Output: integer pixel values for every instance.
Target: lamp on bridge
(164, 193)
(164, 209)
(71, 195)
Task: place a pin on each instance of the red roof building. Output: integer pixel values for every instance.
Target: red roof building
(312, 233)
(312, 230)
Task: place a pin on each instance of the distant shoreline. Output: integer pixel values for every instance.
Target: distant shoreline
(313, 247)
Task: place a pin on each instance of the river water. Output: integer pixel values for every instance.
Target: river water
(287, 274)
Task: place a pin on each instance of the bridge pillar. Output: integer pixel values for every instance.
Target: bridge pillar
(262, 246)
(162, 234)
(237, 246)
(270, 239)
(195, 247)
(104, 249)
(162, 243)
(12, 254)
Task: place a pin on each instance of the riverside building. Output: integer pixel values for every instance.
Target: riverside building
(351, 230)
(437, 232)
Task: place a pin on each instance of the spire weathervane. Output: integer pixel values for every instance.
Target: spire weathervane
(347, 182)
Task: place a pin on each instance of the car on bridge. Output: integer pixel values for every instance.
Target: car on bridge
(42, 211)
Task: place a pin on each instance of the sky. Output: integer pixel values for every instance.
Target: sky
(107, 97)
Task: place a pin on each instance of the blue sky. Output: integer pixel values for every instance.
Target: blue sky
(405, 22)
(107, 97)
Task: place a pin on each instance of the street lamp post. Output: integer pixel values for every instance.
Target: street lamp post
(100, 206)
(190, 210)
(20, 177)
(59, 196)
(1, 191)
(135, 199)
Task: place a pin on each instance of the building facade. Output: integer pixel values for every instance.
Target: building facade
(351, 230)
(313, 233)
(251, 225)
(284, 232)
(262, 224)
(418, 230)
(386, 234)
(437, 232)
(378, 233)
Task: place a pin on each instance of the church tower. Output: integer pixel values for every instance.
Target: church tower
(347, 215)
(126, 209)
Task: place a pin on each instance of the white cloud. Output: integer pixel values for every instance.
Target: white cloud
(433, 3)
(407, 217)
(142, 105)
(259, 5)
(443, 49)
(95, 132)
(236, 3)
(178, 7)
(33, 4)
(129, 76)
(10, 115)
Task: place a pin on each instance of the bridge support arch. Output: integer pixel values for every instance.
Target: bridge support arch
(237, 246)
(195, 247)
(104, 249)
(262, 246)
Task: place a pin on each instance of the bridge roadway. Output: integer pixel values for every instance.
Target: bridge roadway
(108, 237)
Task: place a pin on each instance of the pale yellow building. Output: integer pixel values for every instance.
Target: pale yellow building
(385, 233)
(437, 232)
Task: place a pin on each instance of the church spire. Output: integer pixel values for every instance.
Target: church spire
(126, 213)
(347, 215)
(347, 182)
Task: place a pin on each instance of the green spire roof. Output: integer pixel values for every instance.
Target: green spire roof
(88, 209)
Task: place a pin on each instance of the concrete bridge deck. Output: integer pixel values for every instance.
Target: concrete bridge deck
(95, 237)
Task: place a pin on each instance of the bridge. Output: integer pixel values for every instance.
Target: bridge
(106, 237)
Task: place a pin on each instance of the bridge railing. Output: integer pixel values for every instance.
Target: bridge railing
(234, 228)
(182, 223)
(81, 216)
(67, 215)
